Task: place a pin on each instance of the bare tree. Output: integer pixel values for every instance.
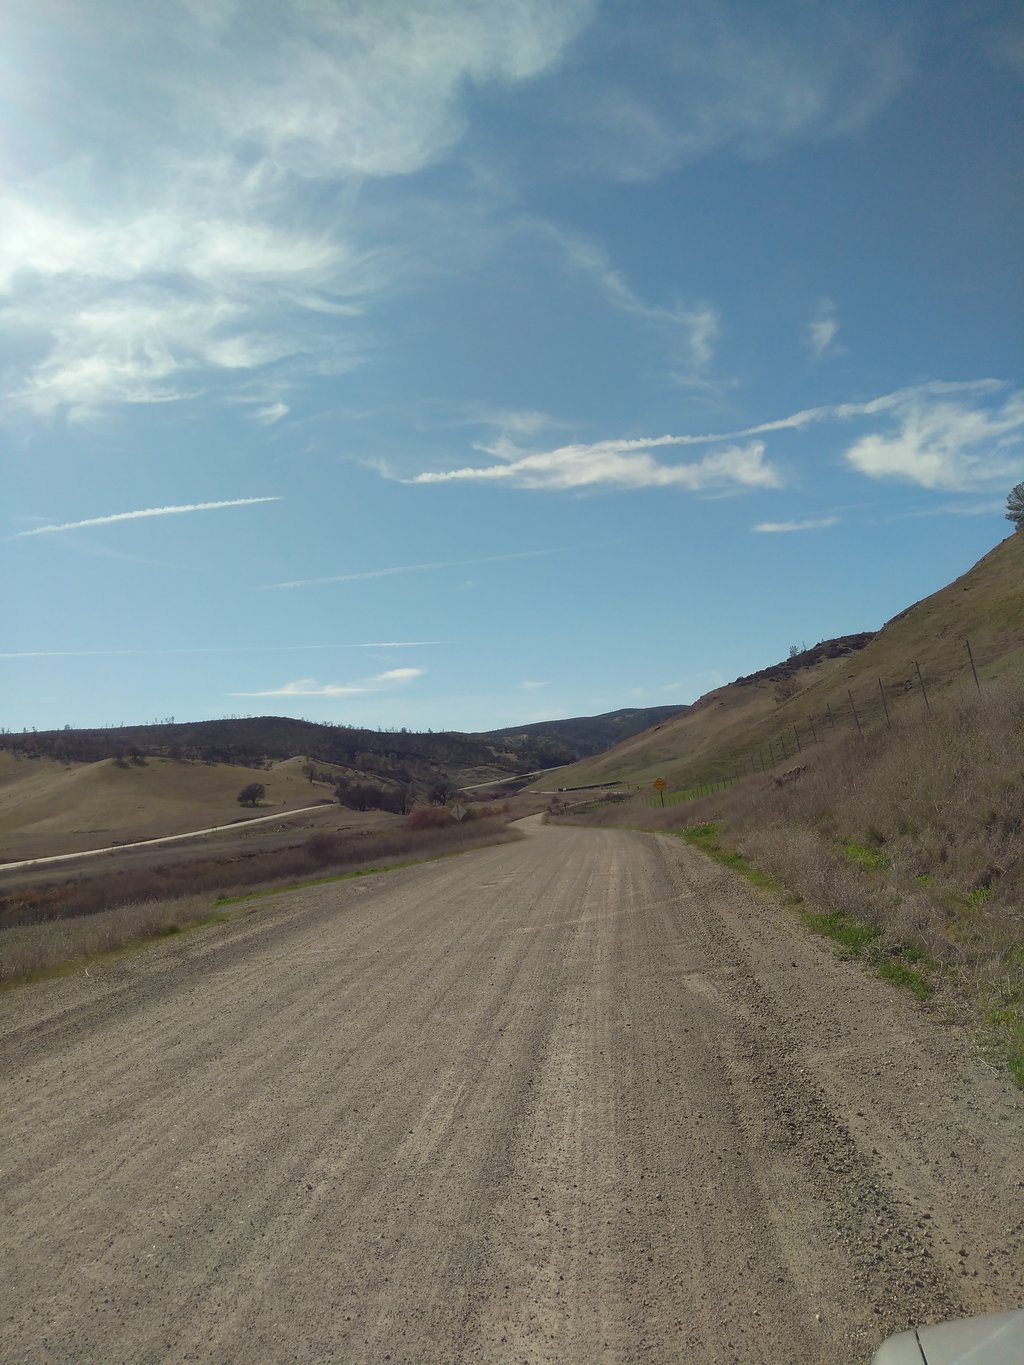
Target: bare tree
(251, 794)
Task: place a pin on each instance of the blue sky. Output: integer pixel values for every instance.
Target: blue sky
(450, 364)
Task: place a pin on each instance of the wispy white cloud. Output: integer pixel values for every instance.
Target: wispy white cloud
(823, 329)
(694, 329)
(530, 686)
(309, 687)
(113, 517)
(512, 423)
(899, 400)
(167, 229)
(692, 80)
(945, 438)
(399, 675)
(272, 413)
(429, 567)
(807, 524)
(946, 445)
(617, 464)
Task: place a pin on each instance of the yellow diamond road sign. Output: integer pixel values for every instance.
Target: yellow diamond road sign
(660, 784)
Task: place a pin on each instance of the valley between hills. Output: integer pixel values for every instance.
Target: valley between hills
(725, 1070)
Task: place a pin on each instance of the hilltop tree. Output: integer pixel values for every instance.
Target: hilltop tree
(249, 795)
(1015, 507)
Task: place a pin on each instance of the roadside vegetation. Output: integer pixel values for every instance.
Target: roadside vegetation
(906, 847)
(66, 917)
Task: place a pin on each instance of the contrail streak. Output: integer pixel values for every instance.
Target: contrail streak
(145, 512)
(426, 568)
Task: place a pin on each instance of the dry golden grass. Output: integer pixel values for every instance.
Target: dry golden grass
(48, 807)
(50, 926)
(720, 734)
(910, 841)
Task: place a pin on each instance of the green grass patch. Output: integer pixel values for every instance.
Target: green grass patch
(863, 856)
(1004, 1025)
(705, 837)
(701, 834)
(898, 972)
(846, 929)
(976, 899)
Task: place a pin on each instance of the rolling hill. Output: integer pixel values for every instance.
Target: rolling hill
(65, 790)
(775, 714)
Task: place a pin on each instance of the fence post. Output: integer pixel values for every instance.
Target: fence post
(973, 669)
(831, 718)
(853, 708)
(796, 736)
(810, 721)
(927, 703)
(885, 705)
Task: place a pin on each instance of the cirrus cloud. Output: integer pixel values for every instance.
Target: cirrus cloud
(309, 687)
(625, 464)
(808, 524)
(940, 434)
(169, 227)
(946, 445)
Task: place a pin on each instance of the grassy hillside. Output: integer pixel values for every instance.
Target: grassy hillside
(905, 846)
(49, 807)
(62, 791)
(760, 720)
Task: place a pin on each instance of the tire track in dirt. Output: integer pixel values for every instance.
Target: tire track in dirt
(584, 1097)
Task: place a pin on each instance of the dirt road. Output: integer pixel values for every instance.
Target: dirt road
(112, 850)
(578, 1098)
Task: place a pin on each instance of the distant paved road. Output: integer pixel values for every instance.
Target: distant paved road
(573, 1099)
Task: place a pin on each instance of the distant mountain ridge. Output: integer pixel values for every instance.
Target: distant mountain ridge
(593, 734)
(390, 755)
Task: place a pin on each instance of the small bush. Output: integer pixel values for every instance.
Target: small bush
(323, 849)
(429, 817)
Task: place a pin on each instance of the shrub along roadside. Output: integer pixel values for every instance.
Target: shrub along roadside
(32, 950)
(858, 938)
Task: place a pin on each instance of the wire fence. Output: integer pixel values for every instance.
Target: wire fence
(860, 708)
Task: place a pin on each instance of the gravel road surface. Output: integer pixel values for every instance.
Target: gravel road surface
(583, 1097)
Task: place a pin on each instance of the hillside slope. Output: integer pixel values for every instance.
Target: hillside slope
(395, 755)
(762, 718)
(589, 735)
(49, 807)
(66, 790)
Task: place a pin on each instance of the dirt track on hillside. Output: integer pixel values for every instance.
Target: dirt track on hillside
(578, 1098)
